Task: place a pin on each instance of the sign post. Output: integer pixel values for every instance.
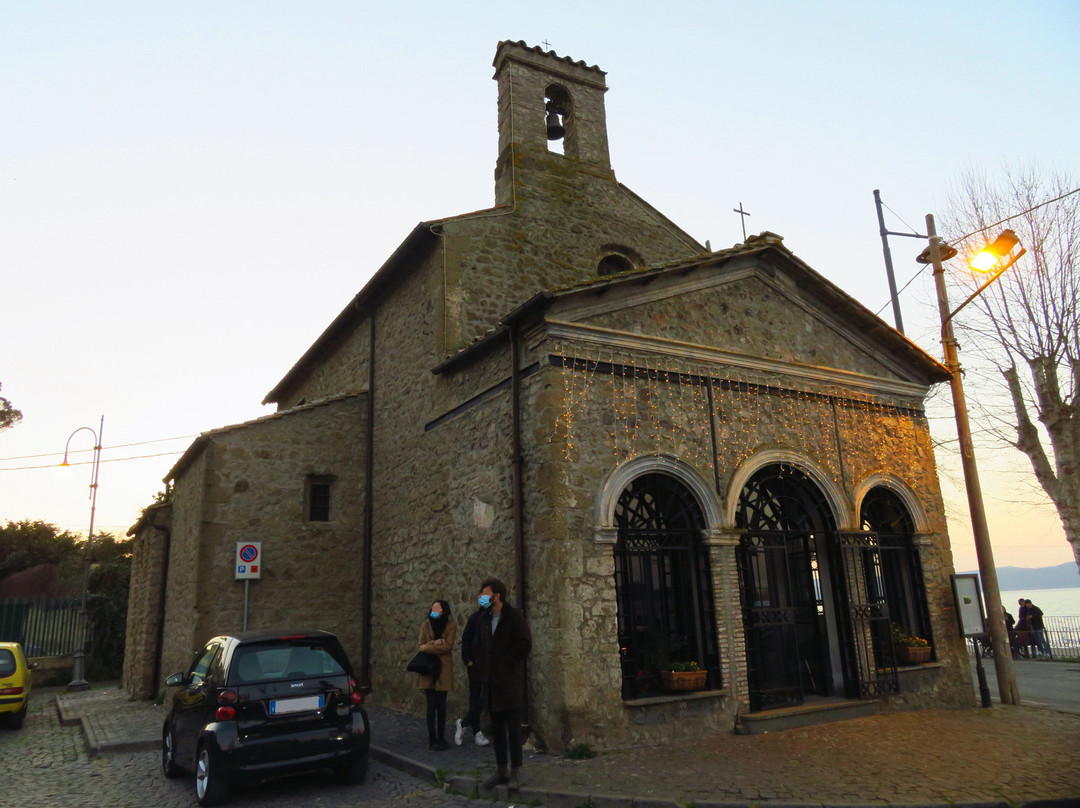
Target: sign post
(969, 611)
(248, 566)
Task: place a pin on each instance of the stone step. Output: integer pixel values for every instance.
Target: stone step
(805, 715)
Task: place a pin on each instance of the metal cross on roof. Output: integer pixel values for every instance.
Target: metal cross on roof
(739, 210)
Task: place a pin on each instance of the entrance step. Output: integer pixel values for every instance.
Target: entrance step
(806, 715)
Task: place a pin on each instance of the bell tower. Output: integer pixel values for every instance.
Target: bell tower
(547, 100)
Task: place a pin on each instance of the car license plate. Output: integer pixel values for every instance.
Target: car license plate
(297, 705)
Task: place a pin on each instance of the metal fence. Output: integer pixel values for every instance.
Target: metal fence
(44, 626)
(1063, 634)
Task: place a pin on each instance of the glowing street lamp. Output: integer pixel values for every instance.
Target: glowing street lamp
(937, 252)
(78, 675)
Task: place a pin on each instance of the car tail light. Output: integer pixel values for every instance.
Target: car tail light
(226, 713)
(11, 691)
(226, 697)
(356, 697)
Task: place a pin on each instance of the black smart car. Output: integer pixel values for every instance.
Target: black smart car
(257, 705)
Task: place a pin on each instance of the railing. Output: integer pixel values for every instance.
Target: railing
(1062, 634)
(44, 626)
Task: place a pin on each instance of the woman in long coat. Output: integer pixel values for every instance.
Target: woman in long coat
(437, 635)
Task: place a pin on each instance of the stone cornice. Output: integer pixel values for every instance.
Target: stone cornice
(623, 341)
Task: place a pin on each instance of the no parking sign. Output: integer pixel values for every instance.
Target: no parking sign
(248, 560)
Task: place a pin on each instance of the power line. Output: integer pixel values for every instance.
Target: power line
(969, 235)
(88, 462)
(1018, 215)
(115, 446)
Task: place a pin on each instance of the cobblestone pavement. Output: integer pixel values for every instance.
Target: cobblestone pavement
(48, 765)
(987, 757)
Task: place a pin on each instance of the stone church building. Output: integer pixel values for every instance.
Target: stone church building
(669, 454)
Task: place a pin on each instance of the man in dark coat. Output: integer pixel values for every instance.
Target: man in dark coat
(476, 706)
(502, 644)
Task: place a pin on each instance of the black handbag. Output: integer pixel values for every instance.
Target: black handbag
(425, 664)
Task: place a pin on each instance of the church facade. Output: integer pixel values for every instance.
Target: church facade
(675, 458)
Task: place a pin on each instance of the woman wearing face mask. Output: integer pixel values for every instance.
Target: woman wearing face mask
(437, 635)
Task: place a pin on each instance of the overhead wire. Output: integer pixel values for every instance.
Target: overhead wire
(88, 462)
(968, 235)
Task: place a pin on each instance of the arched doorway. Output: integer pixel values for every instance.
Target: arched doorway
(894, 574)
(789, 614)
(663, 584)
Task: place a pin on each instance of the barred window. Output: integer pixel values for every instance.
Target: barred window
(318, 498)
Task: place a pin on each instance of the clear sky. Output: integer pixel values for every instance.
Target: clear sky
(191, 191)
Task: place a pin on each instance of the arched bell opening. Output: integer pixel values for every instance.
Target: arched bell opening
(557, 113)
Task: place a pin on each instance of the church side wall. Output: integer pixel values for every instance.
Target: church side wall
(442, 492)
(342, 370)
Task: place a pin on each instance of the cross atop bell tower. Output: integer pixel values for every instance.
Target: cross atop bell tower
(545, 97)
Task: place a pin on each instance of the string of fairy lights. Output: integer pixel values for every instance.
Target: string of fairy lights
(647, 408)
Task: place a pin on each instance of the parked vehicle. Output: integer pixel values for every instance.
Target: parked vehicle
(16, 679)
(257, 705)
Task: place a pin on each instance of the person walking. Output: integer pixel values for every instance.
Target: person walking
(437, 635)
(471, 720)
(1038, 629)
(503, 642)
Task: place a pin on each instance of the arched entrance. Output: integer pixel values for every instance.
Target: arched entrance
(787, 611)
(815, 604)
(663, 584)
(894, 574)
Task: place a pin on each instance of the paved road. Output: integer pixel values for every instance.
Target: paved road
(1042, 684)
(45, 765)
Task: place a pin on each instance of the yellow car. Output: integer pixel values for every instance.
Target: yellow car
(15, 681)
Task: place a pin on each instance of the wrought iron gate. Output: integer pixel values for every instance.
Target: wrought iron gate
(783, 617)
(869, 665)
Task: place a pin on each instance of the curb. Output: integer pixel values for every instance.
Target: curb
(469, 787)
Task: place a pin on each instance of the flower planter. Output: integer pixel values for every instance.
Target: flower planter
(907, 655)
(684, 680)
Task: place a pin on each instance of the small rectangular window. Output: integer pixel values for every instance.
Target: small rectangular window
(318, 499)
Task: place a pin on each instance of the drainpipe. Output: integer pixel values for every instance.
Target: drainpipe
(369, 469)
(516, 463)
(518, 496)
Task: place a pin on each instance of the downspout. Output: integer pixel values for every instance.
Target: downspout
(369, 487)
(518, 492)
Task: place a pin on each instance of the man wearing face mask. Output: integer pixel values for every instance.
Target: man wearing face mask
(476, 707)
(502, 643)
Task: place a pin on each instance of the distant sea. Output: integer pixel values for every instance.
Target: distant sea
(1063, 602)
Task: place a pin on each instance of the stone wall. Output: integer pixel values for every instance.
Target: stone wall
(150, 542)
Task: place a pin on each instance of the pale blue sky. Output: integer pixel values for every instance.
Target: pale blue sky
(191, 191)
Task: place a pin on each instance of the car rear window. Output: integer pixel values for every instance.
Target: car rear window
(7, 662)
(270, 662)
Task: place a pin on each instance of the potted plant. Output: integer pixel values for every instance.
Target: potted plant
(683, 676)
(910, 650)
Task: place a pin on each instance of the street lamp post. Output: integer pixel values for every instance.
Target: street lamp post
(78, 672)
(984, 551)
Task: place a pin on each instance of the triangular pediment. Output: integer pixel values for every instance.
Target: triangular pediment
(763, 310)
